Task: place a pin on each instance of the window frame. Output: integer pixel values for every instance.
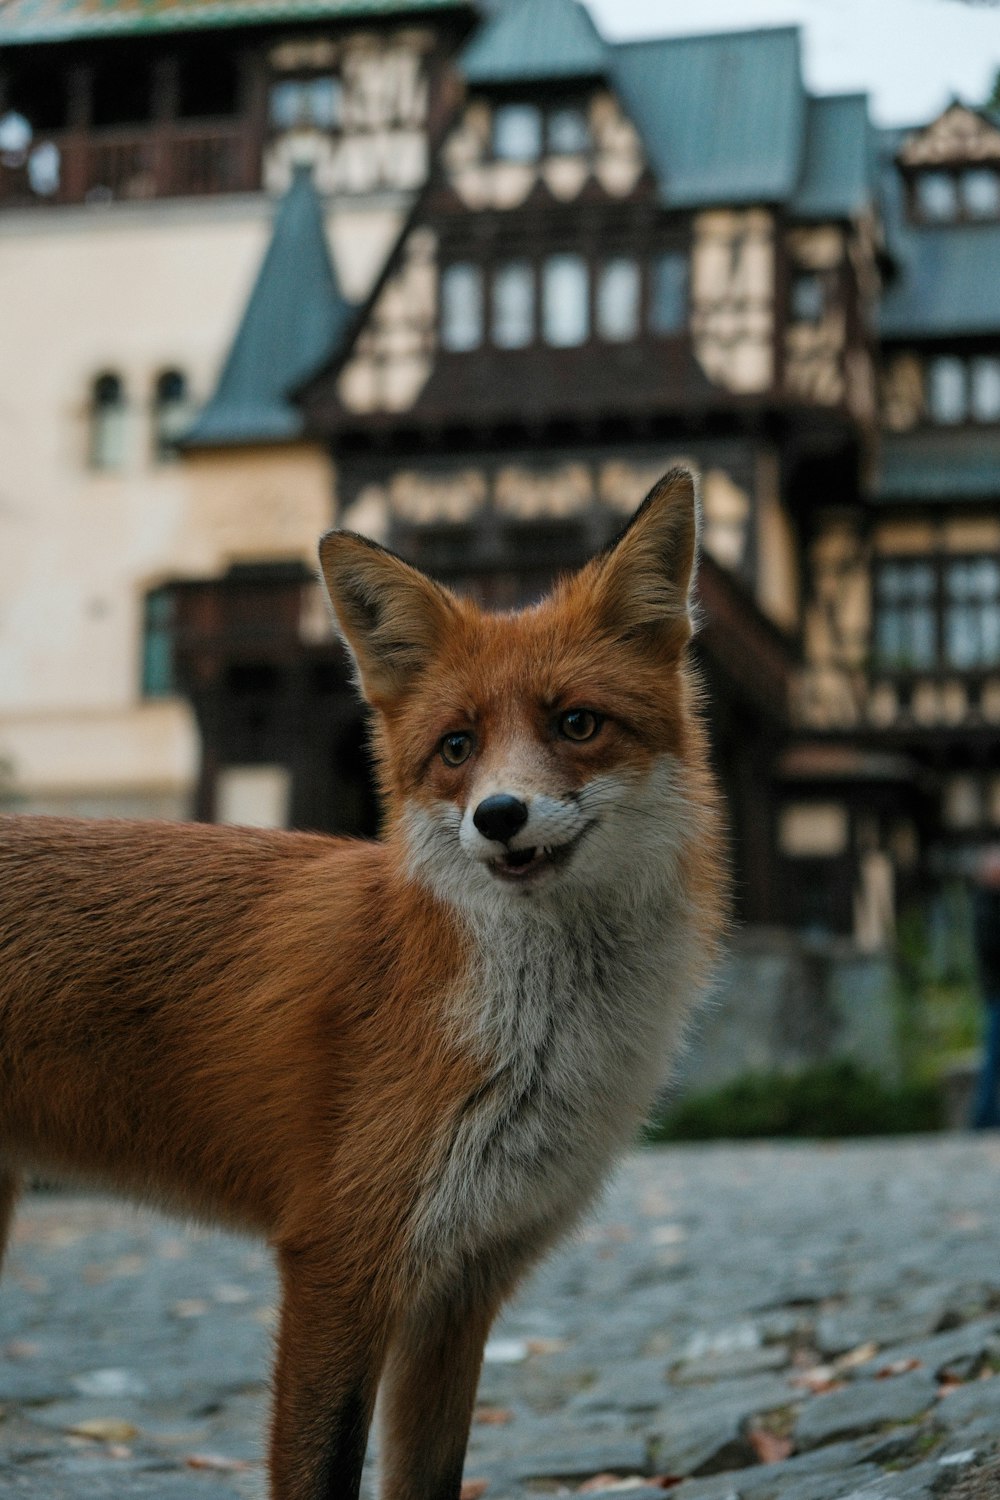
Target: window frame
(941, 605)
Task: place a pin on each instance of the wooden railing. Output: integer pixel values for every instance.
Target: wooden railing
(120, 164)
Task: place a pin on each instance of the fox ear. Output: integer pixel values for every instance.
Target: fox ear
(390, 615)
(644, 580)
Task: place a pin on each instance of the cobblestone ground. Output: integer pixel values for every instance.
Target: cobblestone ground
(737, 1323)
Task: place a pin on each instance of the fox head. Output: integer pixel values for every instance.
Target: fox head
(533, 752)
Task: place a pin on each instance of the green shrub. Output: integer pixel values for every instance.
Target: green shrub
(835, 1099)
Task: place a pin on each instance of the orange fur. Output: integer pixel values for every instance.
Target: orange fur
(266, 1029)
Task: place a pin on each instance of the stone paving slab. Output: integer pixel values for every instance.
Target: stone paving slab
(765, 1322)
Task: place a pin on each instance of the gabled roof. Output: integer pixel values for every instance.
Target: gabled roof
(946, 282)
(526, 41)
(23, 21)
(293, 322)
(839, 169)
(722, 117)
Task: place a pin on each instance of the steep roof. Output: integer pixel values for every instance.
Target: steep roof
(946, 282)
(23, 21)
(293, 321)
(839, 175)
(526, 41)
(722, 117)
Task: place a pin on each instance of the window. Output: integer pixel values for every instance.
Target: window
(905, 616)
(305, 102)
(44, 165)
(961, 389)
(947, 390)
(514, 305)
(108, 416)
(568, 132)
(668, 294)
(972, 613)
(517, 132)
(981, 193)
(937, 197)
(984, 380)
(159, 619)
(938, 612)
(15, 139)
(461, 307)
(171, 412)
(618, 300)
(565, 301)
(807, 298)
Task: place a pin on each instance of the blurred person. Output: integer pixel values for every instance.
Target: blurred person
(986, 936)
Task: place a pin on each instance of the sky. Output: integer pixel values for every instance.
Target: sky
(912, 56)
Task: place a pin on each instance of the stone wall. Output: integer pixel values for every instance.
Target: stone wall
(784, 1002)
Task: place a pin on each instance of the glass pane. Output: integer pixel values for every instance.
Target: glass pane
(618, 300)
(981, 193)
(668, 293)
(565, 314)
(462, 307)
(807, 298)
(937, 196)
(947, 396)
(989, 624)
(568, 132)
(157, 646)
(15, 138)
(324, 103)
(921, 642)
(889, 638)
(962, 635)
(43, 169)
(517, 132)
(285, 105)
(917, 581)
(890, 584)
(514, 305)
(985, 381)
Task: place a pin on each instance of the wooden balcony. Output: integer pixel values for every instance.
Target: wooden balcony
(190, 158)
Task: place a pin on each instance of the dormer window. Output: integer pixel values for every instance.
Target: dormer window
(517, 132)
(568, 132)
(981, 193)
(525, 132)
(953, 195)
(937, 197)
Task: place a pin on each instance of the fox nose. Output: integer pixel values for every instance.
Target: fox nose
(500, 817)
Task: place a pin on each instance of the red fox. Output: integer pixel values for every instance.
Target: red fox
(408, 1063)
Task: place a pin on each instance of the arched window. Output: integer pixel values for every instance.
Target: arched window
(171, 413)
(108, 415)
(158, 629)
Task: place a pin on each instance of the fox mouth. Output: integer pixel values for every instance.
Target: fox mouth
(527, 865)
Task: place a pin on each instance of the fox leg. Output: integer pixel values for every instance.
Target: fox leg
(331, 1345)
(428, 1395)
(10, 1187)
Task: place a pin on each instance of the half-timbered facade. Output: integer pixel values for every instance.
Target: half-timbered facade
(606, 258)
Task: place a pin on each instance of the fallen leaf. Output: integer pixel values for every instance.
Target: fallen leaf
(597, 1482)
(769, 1447)
(119, 1450)
(218, 1462)
(898, 1367)
(854, 1357)
(607, 1484)
(104, 1429)
(492, 1416)
(819, 1380)
(472, 1489)
(545, 1346)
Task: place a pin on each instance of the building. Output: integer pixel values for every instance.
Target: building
(600, 259)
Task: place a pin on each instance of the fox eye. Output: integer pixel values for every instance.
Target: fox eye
(455, 748)
(579, 724)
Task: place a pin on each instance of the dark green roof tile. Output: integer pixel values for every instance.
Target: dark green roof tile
(839, 171)
(23, 21)
(947, 276)
(293, 322)
(528, 41)
(939, 466)
(722, 117)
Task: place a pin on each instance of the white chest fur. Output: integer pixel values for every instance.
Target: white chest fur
(574, 1010)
